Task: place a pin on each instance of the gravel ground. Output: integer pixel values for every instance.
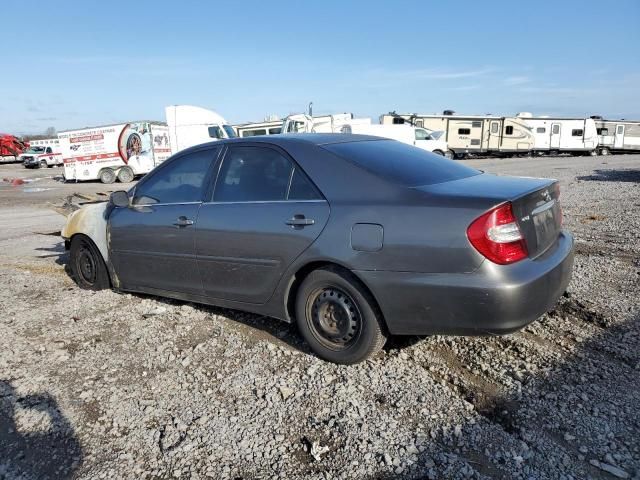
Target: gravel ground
(108, 385)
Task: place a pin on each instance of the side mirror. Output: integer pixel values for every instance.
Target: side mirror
(119, 198)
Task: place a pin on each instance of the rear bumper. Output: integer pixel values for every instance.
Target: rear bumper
(495, 299)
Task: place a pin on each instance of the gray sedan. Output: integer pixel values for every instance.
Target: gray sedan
(354, 238)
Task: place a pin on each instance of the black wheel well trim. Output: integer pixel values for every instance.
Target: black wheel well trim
(114, 282)
(303, 271)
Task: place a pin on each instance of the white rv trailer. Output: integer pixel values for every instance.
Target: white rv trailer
(302, 123)
(189, 126)
(119, 151)
(617, 136)
(418, 137)
(271, 127)
(473, 134)
(554, 135)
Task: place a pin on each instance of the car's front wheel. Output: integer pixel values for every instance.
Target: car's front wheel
(338, 317)
(87, 266)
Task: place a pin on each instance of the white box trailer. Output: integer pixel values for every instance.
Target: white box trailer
(617, 136)
(418, 137)
(473, 134)
(189, 125)
(302, 123)
(111, 152)
(554, 135)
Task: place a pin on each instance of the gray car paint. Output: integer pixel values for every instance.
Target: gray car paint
(426, 278)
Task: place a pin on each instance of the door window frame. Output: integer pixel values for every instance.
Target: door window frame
(206, 182)
(223, 156)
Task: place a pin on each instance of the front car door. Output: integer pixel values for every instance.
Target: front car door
(152, 242)
(263, 214)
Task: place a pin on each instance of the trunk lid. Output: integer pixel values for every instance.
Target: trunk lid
(535, 203)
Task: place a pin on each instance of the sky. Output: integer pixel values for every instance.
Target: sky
(69, 64)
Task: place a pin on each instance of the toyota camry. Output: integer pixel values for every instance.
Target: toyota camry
(353, 238)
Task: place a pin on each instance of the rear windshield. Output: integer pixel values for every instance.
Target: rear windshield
(401, 163)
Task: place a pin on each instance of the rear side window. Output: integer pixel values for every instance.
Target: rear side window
(541, 130)
(508, 130)
(401, 163)
(179, 181)
(603, 131)
(576, 132)
(464, 131)
(260, 174)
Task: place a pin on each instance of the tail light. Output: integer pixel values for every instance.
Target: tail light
(496, 235)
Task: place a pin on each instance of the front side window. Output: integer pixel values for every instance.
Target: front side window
(464, 131)
(49, 150)
(215, 132)
(541, 130)
(603, 131)
(253, 174)
(508, 130)
(576, 132)
(179, 181)
(422, 134)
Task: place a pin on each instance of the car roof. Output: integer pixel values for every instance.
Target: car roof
(290, 138)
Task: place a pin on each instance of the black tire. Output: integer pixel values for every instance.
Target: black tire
(87, 265)
(338, 317)
(125, 175)
(107, 175)
(42, 164)
(438, 152)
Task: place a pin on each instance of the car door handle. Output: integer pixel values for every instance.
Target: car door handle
(183, 222)
(300, 221)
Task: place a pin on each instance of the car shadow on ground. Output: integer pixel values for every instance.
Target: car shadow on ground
(585, 406)
(36, 439)
(613, 175)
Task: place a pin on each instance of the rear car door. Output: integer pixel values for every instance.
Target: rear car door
(264, 212)
(152, 242)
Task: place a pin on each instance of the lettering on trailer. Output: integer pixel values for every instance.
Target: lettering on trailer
(86, 138)
(90, 158)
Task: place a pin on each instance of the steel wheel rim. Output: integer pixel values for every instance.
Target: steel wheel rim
(334, 318)
(86, 265)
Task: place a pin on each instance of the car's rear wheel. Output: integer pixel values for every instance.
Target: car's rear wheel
(87, 266)
(125, 175)
(107, 175)
(338, 317)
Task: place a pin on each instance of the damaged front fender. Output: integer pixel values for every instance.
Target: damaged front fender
(90, 220)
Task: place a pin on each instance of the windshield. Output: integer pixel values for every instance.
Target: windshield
(231, 133)
(35, 150)
(401, 163)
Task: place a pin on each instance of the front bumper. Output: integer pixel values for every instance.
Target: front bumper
(495, 299)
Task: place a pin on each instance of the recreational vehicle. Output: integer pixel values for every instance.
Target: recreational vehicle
(271, 127)
(418, 137)
(554, 135)
(189, 126)
(617, 136)
(473, 134)
(113, 152)
(302, 123)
